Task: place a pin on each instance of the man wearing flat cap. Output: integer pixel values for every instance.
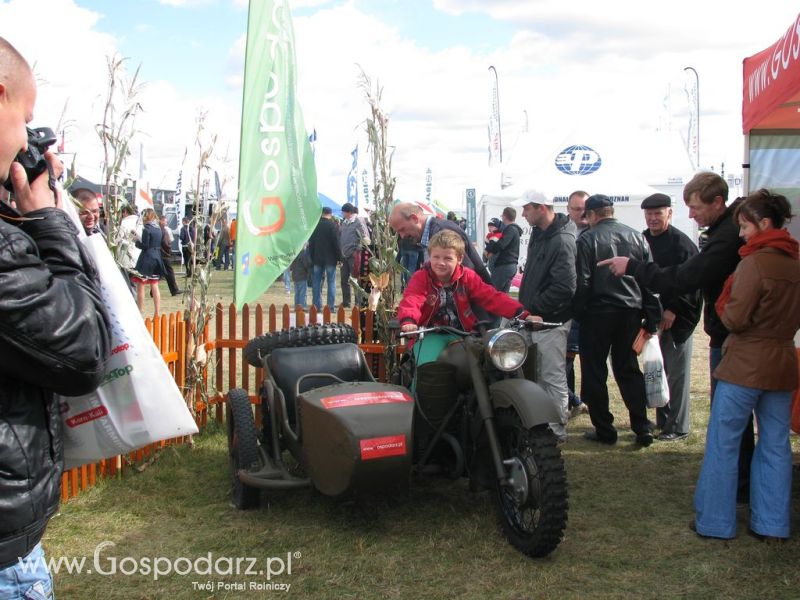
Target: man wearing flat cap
(353, 237)
(610, 311)
(672, 247)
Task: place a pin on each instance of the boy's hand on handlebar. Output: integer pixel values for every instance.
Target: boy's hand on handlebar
(408, 327)
(534, 320)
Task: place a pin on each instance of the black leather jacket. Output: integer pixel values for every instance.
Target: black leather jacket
(54, 338)
(598, 290)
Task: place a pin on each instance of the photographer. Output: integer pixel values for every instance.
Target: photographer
(54, 338)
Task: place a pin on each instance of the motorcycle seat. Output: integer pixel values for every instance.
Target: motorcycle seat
(288, 365)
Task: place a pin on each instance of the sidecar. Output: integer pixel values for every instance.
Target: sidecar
(325, 421)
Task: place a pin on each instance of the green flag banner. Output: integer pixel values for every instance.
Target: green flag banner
(278, 207)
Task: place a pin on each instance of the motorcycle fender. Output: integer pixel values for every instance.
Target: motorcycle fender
(531, 402)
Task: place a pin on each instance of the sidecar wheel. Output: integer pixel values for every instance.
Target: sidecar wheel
(242, 447)
(533, 515)
(310, 335)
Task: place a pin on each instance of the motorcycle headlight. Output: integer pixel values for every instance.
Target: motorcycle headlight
(507, 349)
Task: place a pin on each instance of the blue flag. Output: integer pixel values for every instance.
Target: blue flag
(352, 183)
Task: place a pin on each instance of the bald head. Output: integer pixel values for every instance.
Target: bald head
(407, 220)
(17, 99)
(13, 67)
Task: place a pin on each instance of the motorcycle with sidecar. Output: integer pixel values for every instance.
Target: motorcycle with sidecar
(463, 404)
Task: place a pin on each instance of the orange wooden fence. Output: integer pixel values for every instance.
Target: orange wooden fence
(231, 332)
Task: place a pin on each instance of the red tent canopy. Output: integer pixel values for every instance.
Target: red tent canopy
(771, 85)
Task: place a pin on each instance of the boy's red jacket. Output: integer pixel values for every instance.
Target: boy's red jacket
(421, 298)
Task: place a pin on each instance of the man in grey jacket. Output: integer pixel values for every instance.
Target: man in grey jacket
(353, 236)
(548, 285)
(54, 339)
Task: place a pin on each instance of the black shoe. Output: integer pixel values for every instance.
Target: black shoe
(177, 292)
(593, 437)
(672, 437)
(644, 438)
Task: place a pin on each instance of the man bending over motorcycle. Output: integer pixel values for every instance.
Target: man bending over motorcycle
(444, 292)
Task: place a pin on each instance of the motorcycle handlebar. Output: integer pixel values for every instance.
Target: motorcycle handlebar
(512, 324)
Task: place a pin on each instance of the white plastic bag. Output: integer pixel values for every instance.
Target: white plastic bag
(655, 379)
(138, 401)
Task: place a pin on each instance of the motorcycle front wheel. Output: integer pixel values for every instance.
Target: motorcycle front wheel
(532, 511)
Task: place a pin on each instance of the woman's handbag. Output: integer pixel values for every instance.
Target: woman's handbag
(655, 378)
(138, 401)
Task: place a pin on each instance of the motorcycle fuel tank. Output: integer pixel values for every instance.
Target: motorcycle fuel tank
(357, 437)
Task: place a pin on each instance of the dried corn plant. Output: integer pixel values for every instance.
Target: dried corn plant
(116, 132)
(198, 312)
(383, 265)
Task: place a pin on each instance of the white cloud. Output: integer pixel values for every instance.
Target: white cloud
(566, 64)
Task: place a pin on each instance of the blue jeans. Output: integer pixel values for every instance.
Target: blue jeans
(29, 582)
(329, 271)
(771, 471)
(287, 281)
(301, 293)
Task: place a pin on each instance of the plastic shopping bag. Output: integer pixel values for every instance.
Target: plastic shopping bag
(655, 379)
(138, 401)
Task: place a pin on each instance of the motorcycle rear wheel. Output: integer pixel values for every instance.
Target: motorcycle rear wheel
(533, 516)
(310, 335)
(242, 447)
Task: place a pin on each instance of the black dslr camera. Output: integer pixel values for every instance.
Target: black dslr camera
(39, 140)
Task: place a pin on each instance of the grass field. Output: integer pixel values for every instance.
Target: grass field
(627, 535)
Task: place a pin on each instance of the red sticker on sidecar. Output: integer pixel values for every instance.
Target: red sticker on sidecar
(364, 398)
(380, 447)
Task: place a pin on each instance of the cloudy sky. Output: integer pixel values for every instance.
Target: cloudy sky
(619, 65)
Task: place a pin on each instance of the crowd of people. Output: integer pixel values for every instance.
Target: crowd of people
(609, 285)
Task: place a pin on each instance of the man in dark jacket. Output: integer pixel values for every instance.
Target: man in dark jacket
(706, 195)
(506, 251)
(548, 285)
(323, 247)
(187, 237)
(408, 220)
(670, 247)
(54, 340)
(610, 312)
(166, 257)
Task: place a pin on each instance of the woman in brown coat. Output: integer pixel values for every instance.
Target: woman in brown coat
(760, 306)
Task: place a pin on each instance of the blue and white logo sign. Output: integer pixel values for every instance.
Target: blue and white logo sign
(578, 160)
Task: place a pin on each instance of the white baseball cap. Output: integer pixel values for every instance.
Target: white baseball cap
(534, 197)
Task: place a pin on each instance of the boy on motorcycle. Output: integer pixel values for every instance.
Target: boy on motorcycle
(444, 292)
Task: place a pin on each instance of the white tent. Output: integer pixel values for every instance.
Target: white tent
(625, 168)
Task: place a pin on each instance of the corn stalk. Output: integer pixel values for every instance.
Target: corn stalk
(383, 264)
(198, 313)
(116, 132)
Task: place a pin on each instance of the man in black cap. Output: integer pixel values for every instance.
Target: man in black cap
(610, 312)
(672, 247)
